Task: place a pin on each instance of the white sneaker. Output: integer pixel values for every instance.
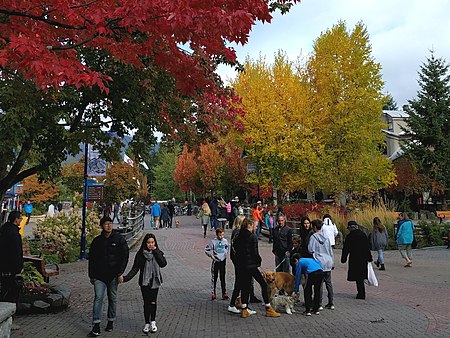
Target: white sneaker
(154, 328)
(146, 328)
(233, 309)
(251, 312)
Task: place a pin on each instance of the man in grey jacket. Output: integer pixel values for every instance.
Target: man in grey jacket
(320, 248)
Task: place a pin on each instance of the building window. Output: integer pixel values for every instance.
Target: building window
(390, 123)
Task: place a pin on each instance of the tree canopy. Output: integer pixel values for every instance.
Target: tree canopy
(164, 186)
(41, 40)
(317, 125)
(77, 72)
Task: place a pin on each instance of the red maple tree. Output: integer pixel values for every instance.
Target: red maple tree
(186, 171)
(39, 192)
(211, 165)
(42, 39)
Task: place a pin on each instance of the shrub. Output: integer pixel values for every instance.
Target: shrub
(341, 216)
(31, 277)
(59, 237)
(432, 233)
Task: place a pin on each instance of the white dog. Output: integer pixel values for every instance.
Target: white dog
(287, 302)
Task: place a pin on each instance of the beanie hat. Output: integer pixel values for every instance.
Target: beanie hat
(352, 225)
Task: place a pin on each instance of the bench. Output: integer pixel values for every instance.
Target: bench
(443, 214)
(46, 270)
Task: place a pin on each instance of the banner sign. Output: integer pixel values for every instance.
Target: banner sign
(96, 165)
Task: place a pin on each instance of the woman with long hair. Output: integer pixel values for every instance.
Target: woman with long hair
(379, 241)
(305, 233)
(149, 259)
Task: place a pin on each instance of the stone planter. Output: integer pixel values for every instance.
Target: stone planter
(57, 299)
(6, 312)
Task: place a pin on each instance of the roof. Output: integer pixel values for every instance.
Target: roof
(396, 113)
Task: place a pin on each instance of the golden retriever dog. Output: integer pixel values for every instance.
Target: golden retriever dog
(279, 281)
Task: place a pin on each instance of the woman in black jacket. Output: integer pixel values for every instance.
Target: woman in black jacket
(148, 260)
(247, 261)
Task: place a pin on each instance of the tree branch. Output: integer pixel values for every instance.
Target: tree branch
(24, 174)
(79, 44)
(11, 177)
(43, 19)
(83, 5)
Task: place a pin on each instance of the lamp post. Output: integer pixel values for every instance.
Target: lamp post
(83, 210)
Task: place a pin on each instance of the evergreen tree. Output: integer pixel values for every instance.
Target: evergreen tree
(389, 103)
(429, 122)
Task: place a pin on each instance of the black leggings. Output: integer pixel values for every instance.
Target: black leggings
(218, 268)
(238, 287)
(246, 277)
(149, 295)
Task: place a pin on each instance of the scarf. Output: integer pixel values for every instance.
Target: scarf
(151, 275)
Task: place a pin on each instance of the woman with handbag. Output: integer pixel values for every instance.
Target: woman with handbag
(405, 237)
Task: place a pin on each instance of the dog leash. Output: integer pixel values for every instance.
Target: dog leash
(280, 263)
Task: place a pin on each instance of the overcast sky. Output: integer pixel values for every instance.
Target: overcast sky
(402, 33)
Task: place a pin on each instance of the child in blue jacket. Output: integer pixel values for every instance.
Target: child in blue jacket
(314, 277)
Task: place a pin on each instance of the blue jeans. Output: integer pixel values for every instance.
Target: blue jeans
(258, 230)
(380, 256)
(99, 289)
(213, 220)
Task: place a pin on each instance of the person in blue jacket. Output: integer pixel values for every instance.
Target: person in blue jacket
(156, 213)
(405, 237)
(28, 208)
(312, 269)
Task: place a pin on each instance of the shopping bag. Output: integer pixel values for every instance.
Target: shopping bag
(371, 278)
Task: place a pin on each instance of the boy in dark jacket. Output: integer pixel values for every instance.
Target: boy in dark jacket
(108, 258)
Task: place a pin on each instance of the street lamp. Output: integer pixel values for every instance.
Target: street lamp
(83, 210)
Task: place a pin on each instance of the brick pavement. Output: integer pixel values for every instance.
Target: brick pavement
(408, 302)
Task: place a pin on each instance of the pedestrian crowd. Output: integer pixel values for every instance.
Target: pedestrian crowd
(306, 259)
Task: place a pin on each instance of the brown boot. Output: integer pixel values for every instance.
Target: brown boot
(270, 312)
(245, 313)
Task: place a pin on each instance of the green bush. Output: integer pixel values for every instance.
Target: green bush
(31, 277)
(59, 237)
(432, 234)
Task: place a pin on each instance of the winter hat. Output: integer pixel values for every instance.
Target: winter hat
(352, 225)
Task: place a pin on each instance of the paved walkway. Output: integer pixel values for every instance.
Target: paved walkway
(409, 301)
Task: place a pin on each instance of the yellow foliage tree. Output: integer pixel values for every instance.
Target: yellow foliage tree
(317, 126)
(278, 133)
(347, 100)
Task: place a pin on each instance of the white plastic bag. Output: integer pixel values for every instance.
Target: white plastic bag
(371, 278)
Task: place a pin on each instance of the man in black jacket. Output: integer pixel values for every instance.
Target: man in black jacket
(108, 258)
(282, 244)
(11, 258)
